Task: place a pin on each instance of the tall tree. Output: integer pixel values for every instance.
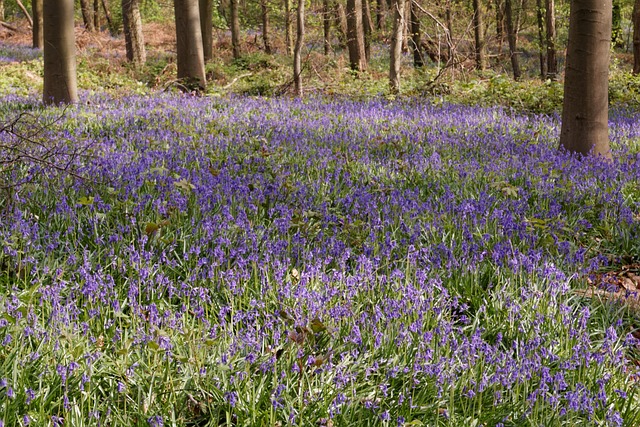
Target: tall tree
(288, 38)
(396, 45)
(235, 28)
(478, 32)
(616, 24)
(206, 27)
(132, 27)
(541, 39)
(326, 26)
(512, 38)
(1, 10)
(96, 14)
(189, 43)
(297, 52)
(636, 37)
(367, 27)
(265, 26)
(552, 61)
(38, 29)
(341, 25)
(416, 36)
(585, 108)
(60, 84)
(87, 15)
(355, 36)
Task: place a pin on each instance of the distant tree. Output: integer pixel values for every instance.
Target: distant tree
(552, 61)
(60, 84)
(512, 38)
(132, 27)
(416, 36)
(541, 39)
(297, 52)
(326, 25)
(189, 43)
(367, 28)
(235, 28)
(396, 45)
(355, 36)
(636, 37)
(206, 28)
(288, 38)
(96, 15)
(341, 24)
(264, 5)
(478, 32)
(87, 15)
(1, 10)
(38, 29)
(585, 107)
(616, 24)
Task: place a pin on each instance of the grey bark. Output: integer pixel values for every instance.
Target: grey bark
(367, 27)
(96, 14)
(132, 27)
(189, 44)
(396, 45)
(355, 36)
(416, 37)
(235, 28)
(265, 26)
(87, 15)
(60, 84)
(541, 39)
(478, 32)
(288, 38)
(297, 52)
(512, 39)
(38, 29)
(341, 24)
(636, 37)
(206, 27)
(326, 26)
(552, 61)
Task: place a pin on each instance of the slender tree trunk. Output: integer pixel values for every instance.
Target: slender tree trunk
(26, 12)
(206, 28)
(416, 37)
(499, 21)
(60, 85)
(297, 52)
(355, 36)
(132, 27)
(552, 61)
(478, 32)
(1, 10)
(449, 19)
(585, 108)
(96, 15)
(235, 29)
(287, 27)
(511, 37)
(636, 37)
(107, 15)
(367, 26)
(265, 26)
(38, 29)
(326, 25)
(381, 10)
(189, 44)
(406, 28)
(396, 45)
(541, 39)
(616, 25)
(87, 15)
(341, 24)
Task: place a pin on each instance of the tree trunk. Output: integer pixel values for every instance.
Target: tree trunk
(511, 37)
(381, 11)
(478, 32)
(107, 15)
(206, 27)
(341, 18)
(585, 107)
(355, 36)
(616, 24)
(87, 15)
(1, 10)
(326, 25)
(541, 40)
(235, 29)
(449, 19)
(416, 37)
(96, 15)
(367, 26)
(265, 26)
(552, 62)
(132, 27)
(60, 85)
(396, 46)
(297, 53)
(636, 37)
(189, 44)
(38, 29)
(288, 39)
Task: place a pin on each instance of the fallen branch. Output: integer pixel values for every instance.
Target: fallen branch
(9, 26)
(26, 12)
(241, 76)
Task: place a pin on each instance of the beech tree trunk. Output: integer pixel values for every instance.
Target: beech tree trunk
(235, 28)
(87, 15)
(541, 39)
(381, 11)
(355, 36)
(396, 45)
(132, 27)
(1, 10)
(636, 37)
(38, 29)
(297, 52)
(107, 15)
(60, 84)
(189, 44)
(367, 26)
(265, 26)
(478, 32)
(512, 39)
(585, 110)
(206, 27)
(552, 61)
(326, 26)
(416, 37)
(341, 24)
(96, 14)
(288, 39)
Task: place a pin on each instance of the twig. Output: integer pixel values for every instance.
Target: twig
(241, 76)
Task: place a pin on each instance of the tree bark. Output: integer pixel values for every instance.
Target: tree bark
(326, 26)
(616, 24)
(38, 28)
(381, 11)
(541, 39)
(636, 37)
(107, 15)
(341, 24)
(552, 61)
(396, 45)
(265, 26)
(132, 27)
(585, 107)
(355, 36)
(189, 44)
(512, 39)
(96, 15)
(288, 38)
(235, 29)
(367, 26)
(206, 27)
(60, 84)
(297, 52)
(87, 17)
(1, 10)
(416, 37)
(478, 32)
